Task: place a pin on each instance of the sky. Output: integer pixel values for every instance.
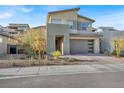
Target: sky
(35, 15)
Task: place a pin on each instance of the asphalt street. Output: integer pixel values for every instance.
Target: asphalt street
(84, 80)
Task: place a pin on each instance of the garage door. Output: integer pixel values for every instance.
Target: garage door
(81, 46)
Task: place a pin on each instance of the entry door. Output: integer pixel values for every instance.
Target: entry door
(59, 44)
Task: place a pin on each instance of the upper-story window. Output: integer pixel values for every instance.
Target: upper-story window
(21, 28)
(56, 21)
(71, 24)
(84, 25)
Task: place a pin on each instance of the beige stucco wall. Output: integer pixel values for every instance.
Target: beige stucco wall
(63, 30)
(3, 45)
(80, 19)
(54, 30)
(64, 16)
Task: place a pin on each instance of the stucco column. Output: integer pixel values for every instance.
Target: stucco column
(96, 45)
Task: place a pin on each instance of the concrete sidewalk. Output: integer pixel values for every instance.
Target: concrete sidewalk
(59, 70)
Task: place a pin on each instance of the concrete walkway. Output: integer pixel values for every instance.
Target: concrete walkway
(60, 70)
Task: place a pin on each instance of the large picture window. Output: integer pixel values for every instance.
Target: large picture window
(56, 21)
(84, 25)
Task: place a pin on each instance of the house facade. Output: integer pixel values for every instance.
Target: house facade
(8, 44)
(8, 40)
(5, 40)
(3, 44)
(71, 33)
(109, 35)
(15, 30)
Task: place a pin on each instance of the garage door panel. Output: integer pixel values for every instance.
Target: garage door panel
(78, 46)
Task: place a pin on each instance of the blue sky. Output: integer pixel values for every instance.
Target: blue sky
(35, 15)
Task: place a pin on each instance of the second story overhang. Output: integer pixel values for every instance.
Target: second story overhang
(86, 34)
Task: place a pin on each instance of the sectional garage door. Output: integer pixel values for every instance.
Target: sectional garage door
(80, 46)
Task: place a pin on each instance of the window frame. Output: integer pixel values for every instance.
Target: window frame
(56, 21)
(82, 25)
(70, 25)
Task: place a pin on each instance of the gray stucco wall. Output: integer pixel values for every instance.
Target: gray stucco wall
(3, 45)
(52, 31)
(107, 44)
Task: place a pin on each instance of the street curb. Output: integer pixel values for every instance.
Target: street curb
(53, 74)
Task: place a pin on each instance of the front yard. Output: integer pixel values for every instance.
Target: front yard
(63, 60)
(44, 62)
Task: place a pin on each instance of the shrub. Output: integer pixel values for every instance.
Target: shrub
(56, 54)
(119, 46)
(12, 61)
(114, 53)
(33, 43)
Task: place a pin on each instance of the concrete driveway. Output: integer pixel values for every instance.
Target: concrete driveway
(96, 58)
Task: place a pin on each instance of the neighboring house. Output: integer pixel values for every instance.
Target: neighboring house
(5, 41)
(101, 29)
(71, 33)
(5, 30)
(8, 37)
(109, 35)
(8, 40)
(16, 29)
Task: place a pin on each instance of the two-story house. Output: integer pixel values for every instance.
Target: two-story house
(71, 33)
(15, 30)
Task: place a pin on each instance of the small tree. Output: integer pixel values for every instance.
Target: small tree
(119, 46)
(33, 43)
(39, 45)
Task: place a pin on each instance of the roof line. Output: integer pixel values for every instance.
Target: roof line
(18, 23)
(66, 10)
(3, 34)
(86, 18)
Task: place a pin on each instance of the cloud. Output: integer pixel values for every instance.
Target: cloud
(19, 8)
(58, 7)
(5, 15)
(24, 9)
(115, 19)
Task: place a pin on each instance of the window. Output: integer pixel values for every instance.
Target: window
(21, 29)
(56, 21)
(70, 23)
(84, 25)
(13, 32)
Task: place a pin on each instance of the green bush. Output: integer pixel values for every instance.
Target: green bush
(56, 54)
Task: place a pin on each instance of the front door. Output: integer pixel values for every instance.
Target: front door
(59, 44)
